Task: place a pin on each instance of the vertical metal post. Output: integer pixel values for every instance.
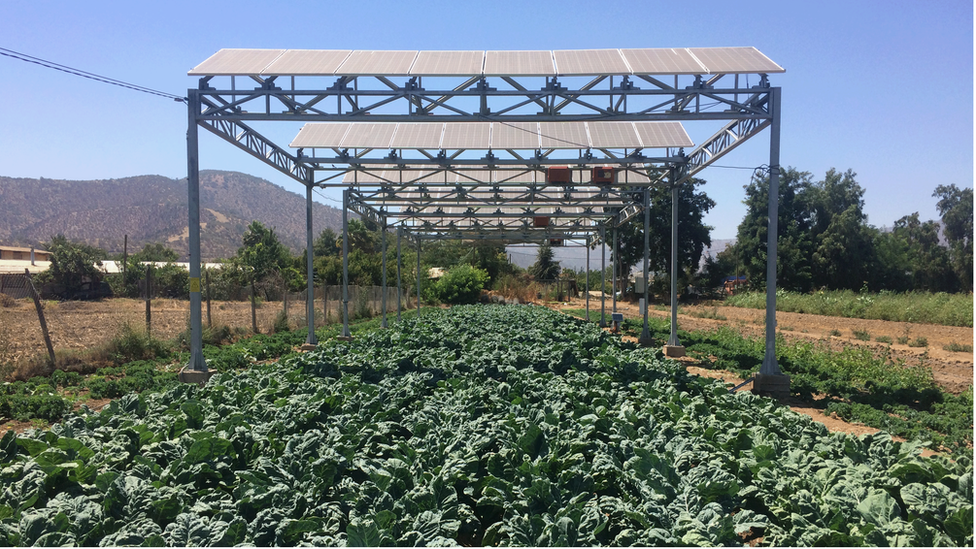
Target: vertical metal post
(345, 263)
(383, 236)
(603, 276)
(197, 362)
(769, 365)
(310, 269)
(587, 278)
(399, 270)
(418, 277)
(613, 269)
(673, 338)
(645, 337)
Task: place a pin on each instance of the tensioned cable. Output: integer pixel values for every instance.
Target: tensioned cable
(85, 74)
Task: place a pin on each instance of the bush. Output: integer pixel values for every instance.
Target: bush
(461, 285)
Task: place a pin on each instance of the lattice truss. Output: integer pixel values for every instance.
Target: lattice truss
(456, 144)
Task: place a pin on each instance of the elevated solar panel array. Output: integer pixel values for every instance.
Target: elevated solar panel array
(645, 61)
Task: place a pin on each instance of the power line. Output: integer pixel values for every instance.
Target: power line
(85, 74)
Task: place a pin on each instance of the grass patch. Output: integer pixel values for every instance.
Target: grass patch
(835, 333)
(919, 341)
(707, 313)
(861, 335)
(884, 339)
(958, 348)
(922, 307)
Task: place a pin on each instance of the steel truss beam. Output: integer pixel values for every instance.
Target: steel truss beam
(380, 99)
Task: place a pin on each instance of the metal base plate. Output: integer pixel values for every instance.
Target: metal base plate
(308, 347)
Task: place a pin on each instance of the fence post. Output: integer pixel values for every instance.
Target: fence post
(254, 317)
(325, 305)
(40, 315)
(148, 300)
(209, 296)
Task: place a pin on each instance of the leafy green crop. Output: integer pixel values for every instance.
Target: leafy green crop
(471, 426)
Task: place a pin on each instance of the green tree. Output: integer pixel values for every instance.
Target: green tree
(545, 267)
(262, 254)
(156, 252)
(693, 235)
(928, 264)
(73, 265)
(461, 285)
(328, 243)
(956, 208)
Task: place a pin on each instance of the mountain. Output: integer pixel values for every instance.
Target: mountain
(153, 208)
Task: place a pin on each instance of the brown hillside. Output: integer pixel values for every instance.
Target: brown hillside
(152, 208)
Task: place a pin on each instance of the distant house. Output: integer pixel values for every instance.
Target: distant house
(24, 254)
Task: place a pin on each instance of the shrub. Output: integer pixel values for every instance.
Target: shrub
(919, 341)
(958, 348)
(129, 345)
(461, 285)
(280, 323)
(862, 335)
(883, 339)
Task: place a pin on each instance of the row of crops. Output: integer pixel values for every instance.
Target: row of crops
(476, 426)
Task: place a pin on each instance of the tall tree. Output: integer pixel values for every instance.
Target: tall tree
(928, 264)
(545, 266)
(262, 254)
(693, 235)
(956, 208)
(843, 256)
(795, 244)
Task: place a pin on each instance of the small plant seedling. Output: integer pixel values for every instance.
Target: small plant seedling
(884, 339)
(862, 335)
(903, 340)
(835, 332)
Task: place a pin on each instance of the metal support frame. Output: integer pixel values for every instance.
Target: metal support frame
(645, 337)
(603, 275)
(399, 270)
(673, 338)
(770, 365)
(614, 262)
(197, 362)
(383, 236)
(587, 279)
(345, 264)
(311, 339)
(418, 278)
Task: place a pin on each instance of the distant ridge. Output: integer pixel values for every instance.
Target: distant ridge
(153, 208)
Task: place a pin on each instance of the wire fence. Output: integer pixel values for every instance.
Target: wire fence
(74, 327)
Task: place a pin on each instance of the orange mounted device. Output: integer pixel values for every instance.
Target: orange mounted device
(560, 175)
(604, 175)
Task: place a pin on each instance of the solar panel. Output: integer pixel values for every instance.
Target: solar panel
(662, 61)
(612, 135)
(424, 135)
(320, 135)
(734, 60)
(520, 63)
(448, 63)
(236, 61)
(563, 135)
(589, 62)
(390, 63)
(662, 134)
(515, 135)
(466, 135)
(307, 62)
(369, 135)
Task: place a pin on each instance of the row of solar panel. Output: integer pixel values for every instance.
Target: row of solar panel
(492, 135)
(646, 61)
(379, 175)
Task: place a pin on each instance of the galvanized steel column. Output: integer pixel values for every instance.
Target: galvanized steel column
(769, 365)
(645, 338)
(197, 361)
(603, 276)
(673, 338)
(418, 277)
(310, 274)
(587, 278)
(345, 263)
(399, 269)
(383, 236)
(613, 269)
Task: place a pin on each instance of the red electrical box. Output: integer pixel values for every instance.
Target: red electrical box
(559, 175)
(540, 221)
(604, 175)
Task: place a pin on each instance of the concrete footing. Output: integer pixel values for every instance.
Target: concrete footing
(344, 338)
(775, 386)
(200, 377)
(308, 347)
(674, 351)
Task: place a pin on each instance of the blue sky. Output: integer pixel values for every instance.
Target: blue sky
(887, 92)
